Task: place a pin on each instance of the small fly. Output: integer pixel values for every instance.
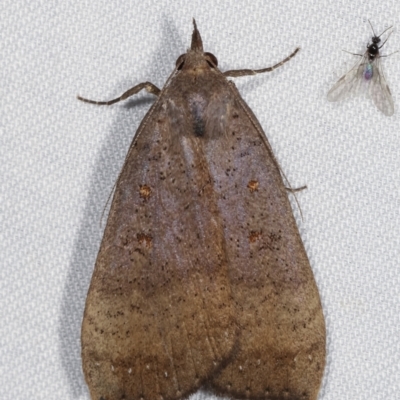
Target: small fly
(368, 74)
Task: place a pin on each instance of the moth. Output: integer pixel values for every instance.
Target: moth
(202, 279)
(367, 75)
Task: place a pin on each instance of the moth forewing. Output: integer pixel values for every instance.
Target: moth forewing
(202, 277)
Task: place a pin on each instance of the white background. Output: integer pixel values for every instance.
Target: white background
(59, 159)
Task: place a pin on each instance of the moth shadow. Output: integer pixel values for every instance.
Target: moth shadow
(137, 102)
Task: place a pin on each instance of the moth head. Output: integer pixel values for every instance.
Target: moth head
(195, 54)
(208, 57)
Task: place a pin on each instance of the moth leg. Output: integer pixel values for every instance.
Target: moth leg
(151, 88)
(244, 72)
(294, 190)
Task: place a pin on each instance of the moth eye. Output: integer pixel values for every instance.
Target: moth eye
(180, 61)
(211, 59)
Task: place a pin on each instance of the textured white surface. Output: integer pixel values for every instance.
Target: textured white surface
(60, 159)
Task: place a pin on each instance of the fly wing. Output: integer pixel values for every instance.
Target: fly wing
(282, 330)
(350, 83)
(159, 316)
(379, 90)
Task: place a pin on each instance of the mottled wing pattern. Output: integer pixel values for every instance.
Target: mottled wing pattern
(202, 277)
(159, 316)
(281, 352)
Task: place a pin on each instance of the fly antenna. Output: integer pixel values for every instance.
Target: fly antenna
(372, 28)
(386, 38)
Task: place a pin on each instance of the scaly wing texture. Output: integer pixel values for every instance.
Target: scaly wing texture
(159, 314)
(202, 275)
(282, 330)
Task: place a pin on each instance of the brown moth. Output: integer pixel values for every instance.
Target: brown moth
(202, 277)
